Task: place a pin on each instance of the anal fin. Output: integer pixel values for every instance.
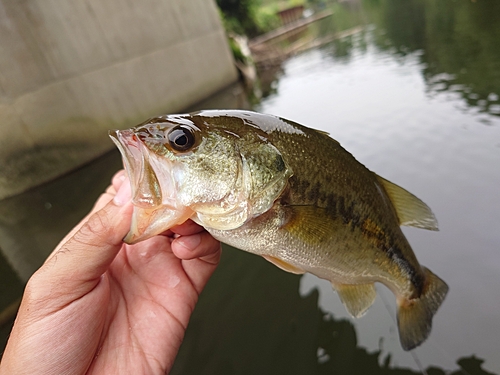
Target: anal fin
(283, 265)
(356, 298)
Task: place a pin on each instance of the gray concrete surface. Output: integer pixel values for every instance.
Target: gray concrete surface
(32, 223)
(69, 71)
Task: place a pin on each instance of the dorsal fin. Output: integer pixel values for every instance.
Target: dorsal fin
(411, 211)
(327, 134)
(322, 132)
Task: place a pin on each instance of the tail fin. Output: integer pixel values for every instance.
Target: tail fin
(415, 315)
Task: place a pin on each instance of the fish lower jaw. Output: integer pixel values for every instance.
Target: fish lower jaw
(147, 223)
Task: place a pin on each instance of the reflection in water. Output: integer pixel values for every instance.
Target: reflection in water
(456, 41)
(32, 224)
(459, 41)
(251, 320)
(11, 289)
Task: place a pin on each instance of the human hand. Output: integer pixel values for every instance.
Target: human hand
(100, 306)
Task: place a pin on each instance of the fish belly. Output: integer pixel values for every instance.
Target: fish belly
(310, 242)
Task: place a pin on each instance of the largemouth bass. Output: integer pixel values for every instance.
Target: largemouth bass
(286, 192)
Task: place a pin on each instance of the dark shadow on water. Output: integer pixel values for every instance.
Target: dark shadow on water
(31, 224)
(10, 290)
(251, 320)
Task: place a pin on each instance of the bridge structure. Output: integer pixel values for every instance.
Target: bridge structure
(69, 71)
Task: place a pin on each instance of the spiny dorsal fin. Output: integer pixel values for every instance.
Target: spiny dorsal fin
(411, 211)
(322, 132)
(327, 134)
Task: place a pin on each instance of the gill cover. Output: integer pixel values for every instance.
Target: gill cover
(262, 177)
(223, 182)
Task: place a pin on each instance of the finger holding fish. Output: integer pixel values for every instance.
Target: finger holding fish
(193, 241)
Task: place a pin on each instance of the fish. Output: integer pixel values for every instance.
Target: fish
(289, 193)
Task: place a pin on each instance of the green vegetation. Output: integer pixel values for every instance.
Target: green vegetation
(267, 18)
(246, 17)
(254, 17)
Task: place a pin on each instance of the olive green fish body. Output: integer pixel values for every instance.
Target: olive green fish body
(350, 217)
(290, 194)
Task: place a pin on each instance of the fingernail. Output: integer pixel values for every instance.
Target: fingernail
(123, 194)
(189, 242)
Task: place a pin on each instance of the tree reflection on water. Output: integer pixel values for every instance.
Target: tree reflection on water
(251, 320)
(458, 41)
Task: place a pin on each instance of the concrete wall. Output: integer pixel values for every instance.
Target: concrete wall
(71, 70)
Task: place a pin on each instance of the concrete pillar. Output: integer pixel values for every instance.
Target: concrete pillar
(71, 70)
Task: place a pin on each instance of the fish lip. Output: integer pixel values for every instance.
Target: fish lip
(124, 140)
(153, 199)
(145, 186)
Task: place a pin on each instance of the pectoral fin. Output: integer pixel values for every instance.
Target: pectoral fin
(411, 211)
(283, 265)
(356, 298)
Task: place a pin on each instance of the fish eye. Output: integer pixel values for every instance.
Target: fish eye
(181, 138)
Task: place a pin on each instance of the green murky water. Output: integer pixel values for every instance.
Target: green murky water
(415, 96)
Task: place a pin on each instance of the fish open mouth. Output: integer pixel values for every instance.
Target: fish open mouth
(155, 207)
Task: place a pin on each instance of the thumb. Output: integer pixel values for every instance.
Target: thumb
(86, 253)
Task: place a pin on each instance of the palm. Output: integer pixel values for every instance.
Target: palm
(151, 296)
